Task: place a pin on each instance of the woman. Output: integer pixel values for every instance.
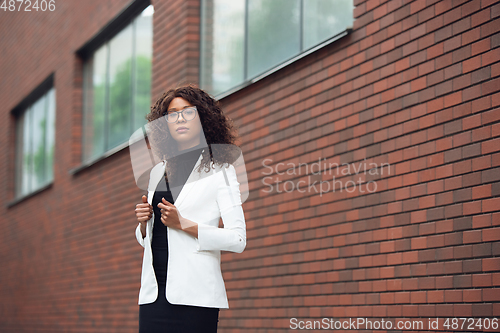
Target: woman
(189, 191)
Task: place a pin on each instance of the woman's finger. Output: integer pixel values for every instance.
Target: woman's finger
(161, 205)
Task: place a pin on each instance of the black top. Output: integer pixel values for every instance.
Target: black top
(185, 163)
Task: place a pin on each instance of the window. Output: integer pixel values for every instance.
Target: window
(117, 87)
(241, 39)
(35, 141)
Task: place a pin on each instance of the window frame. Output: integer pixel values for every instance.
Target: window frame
(41, 91)
(121, 21)
(251, 80)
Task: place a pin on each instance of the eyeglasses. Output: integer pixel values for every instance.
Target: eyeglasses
(187, 113)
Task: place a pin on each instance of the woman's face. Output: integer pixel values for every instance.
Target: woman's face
(185, 138)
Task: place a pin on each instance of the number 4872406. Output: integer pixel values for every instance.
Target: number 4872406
(28, 6)
(471, 323)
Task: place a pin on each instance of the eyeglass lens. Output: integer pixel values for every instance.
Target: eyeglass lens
(187, 114)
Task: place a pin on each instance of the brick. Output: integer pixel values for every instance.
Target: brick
(471, 93)
(495, 99)
(473, 236)
(491, 235)
(470, 7)
(462, 110)
(490, 57)
(491, 264)
(471, 36)
(461, 54)
(444, 88)
(495, 41)
(452, 16)
(481, 46)
(487, 147)
(452, 44)
(480, 18)
(443, 6)
(481, 163)
(453, 71)
(481, 75)
(495, 11)
(435, 50)
(490, 116)
(482, 133)
(453, 99)
(461, 26)
(442, 34)
(490, 28)
(481, 191)
(359, 10)
(418, 58)
(462, 281)
(461, 82)
(417, 6)
(489, 205)
(471, 64)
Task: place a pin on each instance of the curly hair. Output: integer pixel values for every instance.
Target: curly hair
(217, 127)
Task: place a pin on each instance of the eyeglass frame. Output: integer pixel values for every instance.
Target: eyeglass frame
(180, 112)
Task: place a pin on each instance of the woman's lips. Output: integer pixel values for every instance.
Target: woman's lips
(182, 130)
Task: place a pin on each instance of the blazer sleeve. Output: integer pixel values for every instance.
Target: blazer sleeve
(138, 235)
(233, 236)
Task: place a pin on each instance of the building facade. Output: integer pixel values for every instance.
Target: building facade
(370, 132)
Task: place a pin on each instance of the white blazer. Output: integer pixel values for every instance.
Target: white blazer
(193, 270)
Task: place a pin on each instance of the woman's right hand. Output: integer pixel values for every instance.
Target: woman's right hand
(144, 210)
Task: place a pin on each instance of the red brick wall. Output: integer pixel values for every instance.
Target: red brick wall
(416, 85)
(69, 258)
(176, 44)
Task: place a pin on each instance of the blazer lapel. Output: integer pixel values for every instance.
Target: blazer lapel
(156, 176)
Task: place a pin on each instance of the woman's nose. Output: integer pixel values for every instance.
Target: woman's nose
(179, 117)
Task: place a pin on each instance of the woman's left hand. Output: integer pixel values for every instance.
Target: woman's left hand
(170, 216)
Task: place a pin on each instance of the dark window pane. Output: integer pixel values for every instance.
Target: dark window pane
(143, 58)
(95, 104)
(324, 19)
(26, 152)
(37, 147)
(50, 137)
(19, 154)
(120, 87)
(274, 33)
(222, 54)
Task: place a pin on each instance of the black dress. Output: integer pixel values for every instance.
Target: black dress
(161, 316)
